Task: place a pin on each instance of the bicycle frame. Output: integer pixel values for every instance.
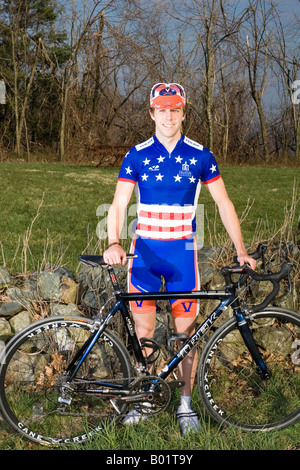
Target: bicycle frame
(227, 297)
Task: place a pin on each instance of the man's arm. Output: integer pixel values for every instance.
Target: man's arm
(115, 220)
(230, 220)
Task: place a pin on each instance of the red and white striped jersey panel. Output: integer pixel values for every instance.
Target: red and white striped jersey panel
(165, 222)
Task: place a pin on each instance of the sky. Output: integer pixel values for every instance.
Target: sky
(287, 7)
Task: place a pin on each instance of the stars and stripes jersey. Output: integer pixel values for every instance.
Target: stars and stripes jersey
(168, 185)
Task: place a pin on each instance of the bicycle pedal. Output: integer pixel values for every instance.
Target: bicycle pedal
(64, 401)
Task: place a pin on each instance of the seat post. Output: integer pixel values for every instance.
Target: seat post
(113, 278)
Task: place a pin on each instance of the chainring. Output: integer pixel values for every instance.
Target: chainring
(155, 392)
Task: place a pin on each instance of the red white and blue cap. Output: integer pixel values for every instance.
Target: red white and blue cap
(167, 95)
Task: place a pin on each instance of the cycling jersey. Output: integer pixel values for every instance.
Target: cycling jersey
(167, 190)
(168, 185)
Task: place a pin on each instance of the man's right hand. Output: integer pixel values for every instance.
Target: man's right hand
(115, 254)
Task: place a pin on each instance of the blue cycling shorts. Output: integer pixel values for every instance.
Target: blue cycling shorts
(173, 260)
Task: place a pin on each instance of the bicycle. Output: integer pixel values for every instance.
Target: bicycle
(63, 379)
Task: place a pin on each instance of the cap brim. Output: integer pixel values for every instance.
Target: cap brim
(167, 102)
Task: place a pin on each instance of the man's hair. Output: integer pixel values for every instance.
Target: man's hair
(153, 109)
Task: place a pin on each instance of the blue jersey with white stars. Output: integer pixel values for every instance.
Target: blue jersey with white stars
(168, 185)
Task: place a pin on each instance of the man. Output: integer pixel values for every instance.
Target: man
(166, 172)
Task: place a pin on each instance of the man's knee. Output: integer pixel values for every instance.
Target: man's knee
(145, 324)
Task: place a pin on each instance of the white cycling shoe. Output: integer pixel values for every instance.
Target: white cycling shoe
(188, 418)
(188, 421)
(136, 416)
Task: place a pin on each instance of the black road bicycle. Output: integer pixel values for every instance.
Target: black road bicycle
(63, 379)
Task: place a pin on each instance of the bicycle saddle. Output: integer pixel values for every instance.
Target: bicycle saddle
(97, 260)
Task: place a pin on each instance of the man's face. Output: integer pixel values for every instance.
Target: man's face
(168, 122)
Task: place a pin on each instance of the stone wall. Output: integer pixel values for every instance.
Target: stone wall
(57, 291)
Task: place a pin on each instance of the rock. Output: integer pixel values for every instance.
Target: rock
(8, 309)
(217, 282)
(30, 367)
(21, 296)
(63, 309)
(55, 291)
(69, 290)
(206, 273)
(20, 321)
(274, 340)
(206, 257)
(5, 330)
(233, 346)
(63, 271)
(5, 278)
(161, 331)
(289, 301)
(91, 299)
(55, 286)
(49, 285)
(93, 287)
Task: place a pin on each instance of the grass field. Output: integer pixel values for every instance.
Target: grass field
(48, 214)
(161, 433)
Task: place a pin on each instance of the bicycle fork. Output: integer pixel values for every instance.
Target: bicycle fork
(247, 336)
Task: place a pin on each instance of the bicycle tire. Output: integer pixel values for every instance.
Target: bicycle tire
(32, 371)
(231, 389)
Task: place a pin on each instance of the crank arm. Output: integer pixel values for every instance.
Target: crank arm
(136, 398)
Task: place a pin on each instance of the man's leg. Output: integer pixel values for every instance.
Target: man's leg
(188, 418)
(187, 368)
(145, 326)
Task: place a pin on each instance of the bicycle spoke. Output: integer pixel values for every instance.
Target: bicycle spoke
(232, 385)
(38, 397)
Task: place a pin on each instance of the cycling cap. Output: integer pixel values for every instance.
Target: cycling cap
(167, 95)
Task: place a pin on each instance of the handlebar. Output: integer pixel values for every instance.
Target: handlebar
(257, 254)
(246, 272)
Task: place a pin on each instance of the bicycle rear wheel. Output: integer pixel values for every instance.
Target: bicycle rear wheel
(33, 376)
(232, 390)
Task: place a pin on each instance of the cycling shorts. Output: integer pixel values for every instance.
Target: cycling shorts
(175, 261)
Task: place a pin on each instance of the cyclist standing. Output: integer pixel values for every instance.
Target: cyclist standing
(166, 172)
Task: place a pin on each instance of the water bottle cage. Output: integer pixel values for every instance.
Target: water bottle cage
(151, 344)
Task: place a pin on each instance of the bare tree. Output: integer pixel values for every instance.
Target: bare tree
(253, 45)
(285, 54)
(94, 85)
(77, 36)
(24, 69)
(211, 26)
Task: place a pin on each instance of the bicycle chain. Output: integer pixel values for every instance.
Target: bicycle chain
(156, 394)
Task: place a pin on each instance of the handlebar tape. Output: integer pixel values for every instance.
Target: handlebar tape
(274, 278)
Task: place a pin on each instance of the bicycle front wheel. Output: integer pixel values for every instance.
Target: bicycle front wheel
(231, 388)
(33, 376)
